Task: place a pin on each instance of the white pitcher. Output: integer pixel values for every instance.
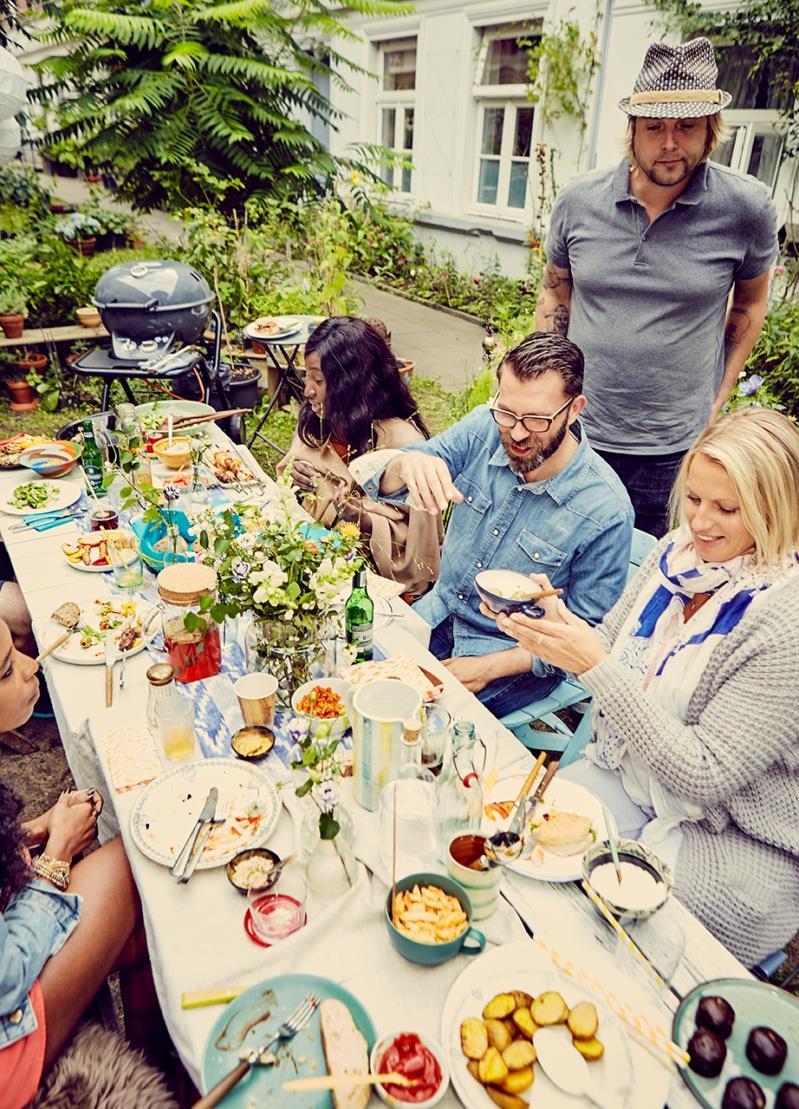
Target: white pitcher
(378, 711)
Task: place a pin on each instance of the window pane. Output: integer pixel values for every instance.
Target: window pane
(505, 63)
(493, 120)
(406, 180)
(517, 189)
(389, 120)
(489, 179)
(399, 65)
(764, 158)
(407, 143)
(524, 133)
(760, 91)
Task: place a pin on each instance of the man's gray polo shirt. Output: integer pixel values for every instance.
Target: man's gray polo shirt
(649, 300)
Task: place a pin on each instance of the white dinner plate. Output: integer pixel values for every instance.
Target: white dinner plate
(561, 796)
(525, 966)
(61, 494)
(126, 554)
(289, 325)
(167, 810)
(90, 616)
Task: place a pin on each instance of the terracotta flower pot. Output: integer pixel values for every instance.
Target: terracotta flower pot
(93, 178)
(12, 326)
(86, 247)
(23, 396)
(30, 362)
(88, 316)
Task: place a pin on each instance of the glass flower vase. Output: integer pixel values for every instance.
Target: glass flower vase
(330, 866)
(273, 645)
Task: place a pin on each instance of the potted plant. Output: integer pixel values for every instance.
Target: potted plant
(30, 360)
(75, 352)
(47, 389)
(88, 316)
(23, 395)
(243, 384)
(12, 311)
(80, 231)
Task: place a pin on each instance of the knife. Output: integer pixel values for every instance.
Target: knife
(110, 659)
(206, 816)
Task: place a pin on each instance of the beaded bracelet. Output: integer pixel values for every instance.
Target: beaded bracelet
(52, 870)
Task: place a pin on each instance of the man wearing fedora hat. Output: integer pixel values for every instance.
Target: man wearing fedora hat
(641, 261)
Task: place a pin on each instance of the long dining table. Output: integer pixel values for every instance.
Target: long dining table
(195, 931)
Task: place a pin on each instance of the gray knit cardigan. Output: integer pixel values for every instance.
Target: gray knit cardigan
(737, 755)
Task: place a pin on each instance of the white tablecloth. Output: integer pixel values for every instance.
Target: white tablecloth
(195, 931)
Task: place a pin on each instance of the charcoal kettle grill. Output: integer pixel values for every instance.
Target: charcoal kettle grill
(156, 311)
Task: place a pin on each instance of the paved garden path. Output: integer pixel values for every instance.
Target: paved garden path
(444, 347)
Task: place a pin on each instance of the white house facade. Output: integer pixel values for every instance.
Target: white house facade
(450, 91)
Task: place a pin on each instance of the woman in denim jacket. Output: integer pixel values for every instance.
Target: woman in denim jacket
(57, 946)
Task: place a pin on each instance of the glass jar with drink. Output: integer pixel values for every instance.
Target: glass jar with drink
(191, 636)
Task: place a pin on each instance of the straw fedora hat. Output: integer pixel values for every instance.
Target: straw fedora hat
(677, 82)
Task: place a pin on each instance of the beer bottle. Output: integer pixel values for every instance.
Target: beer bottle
(92, 459)
(359, 618)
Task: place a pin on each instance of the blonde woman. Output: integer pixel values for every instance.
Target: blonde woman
(694, 676)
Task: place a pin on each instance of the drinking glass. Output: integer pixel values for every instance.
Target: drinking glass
(279, 911)
(176, 727)
(127, 569)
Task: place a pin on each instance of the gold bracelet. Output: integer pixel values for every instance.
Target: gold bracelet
(52, 870)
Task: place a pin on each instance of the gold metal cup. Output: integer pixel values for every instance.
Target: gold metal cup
(256, 694)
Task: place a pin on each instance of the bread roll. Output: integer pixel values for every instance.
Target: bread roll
(345, 1052)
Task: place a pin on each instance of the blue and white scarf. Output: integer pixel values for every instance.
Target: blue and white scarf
(670, 655)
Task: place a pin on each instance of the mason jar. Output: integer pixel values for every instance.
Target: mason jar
(191, 637)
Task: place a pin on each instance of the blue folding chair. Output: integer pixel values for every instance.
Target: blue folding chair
(566, 693)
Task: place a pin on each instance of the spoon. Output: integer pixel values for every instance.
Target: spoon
(492, 856)
(564, 1066)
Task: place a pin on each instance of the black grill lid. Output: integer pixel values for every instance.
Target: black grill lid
(152, 286)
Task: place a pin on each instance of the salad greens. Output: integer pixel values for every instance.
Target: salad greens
(33, 494)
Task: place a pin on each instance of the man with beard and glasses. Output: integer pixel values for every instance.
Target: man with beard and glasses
(641, 261)
(528, 494)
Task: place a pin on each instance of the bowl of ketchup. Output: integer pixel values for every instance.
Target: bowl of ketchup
(417, 1057)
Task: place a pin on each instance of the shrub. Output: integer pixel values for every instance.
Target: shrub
(776, 355)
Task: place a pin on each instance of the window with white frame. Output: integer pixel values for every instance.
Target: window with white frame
(505, 117)
(396, 108)
(755, 145)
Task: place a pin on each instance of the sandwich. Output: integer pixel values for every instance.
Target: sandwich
(345, 1052)
(563, 833)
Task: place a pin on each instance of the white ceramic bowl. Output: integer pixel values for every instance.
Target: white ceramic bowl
(630, 851)
(316, 724)
(434, 1047)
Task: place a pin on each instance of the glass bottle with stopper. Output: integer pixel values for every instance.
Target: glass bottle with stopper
(407, 809)
(459, 801)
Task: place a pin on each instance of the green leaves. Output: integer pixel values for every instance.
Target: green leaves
(329, 827)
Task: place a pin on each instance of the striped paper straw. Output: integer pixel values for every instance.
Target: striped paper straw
(651, 1035)
(623, 935)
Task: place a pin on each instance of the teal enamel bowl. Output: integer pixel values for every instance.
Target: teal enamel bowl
(470, 942)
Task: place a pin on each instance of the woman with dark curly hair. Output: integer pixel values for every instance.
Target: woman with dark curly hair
(357, 403)
(63, 928)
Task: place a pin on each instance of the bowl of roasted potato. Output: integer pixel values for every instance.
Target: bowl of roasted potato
(499, 1044)
(430, 919)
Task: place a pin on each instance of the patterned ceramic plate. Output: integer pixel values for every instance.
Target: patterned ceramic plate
(167, 810)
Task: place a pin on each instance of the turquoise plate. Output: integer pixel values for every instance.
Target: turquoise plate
(255, 1016)
(755, 1004)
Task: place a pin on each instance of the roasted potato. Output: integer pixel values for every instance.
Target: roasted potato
(518, 1081)
(525, 1023)
(518, 1055)
(498, 1035)
(474, 1038)
(474, 1070)
(523, 1000)
(492, 1068)
(590, 1049)
(505, 1101)
(511, 1027)
(499, 1007)
(549, 1008)
(583, 1020)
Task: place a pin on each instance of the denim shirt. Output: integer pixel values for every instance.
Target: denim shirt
(34, 926)
(575, 526)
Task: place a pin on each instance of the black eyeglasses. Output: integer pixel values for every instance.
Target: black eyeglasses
(529, 422)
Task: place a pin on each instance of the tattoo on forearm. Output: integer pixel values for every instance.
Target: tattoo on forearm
(553, 280)
(560, 319)
(738, 323)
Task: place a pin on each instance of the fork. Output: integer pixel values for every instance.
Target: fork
(289, 1028)
(219, 817)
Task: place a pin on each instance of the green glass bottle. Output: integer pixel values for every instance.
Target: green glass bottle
(92, 459)
(359, 618)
